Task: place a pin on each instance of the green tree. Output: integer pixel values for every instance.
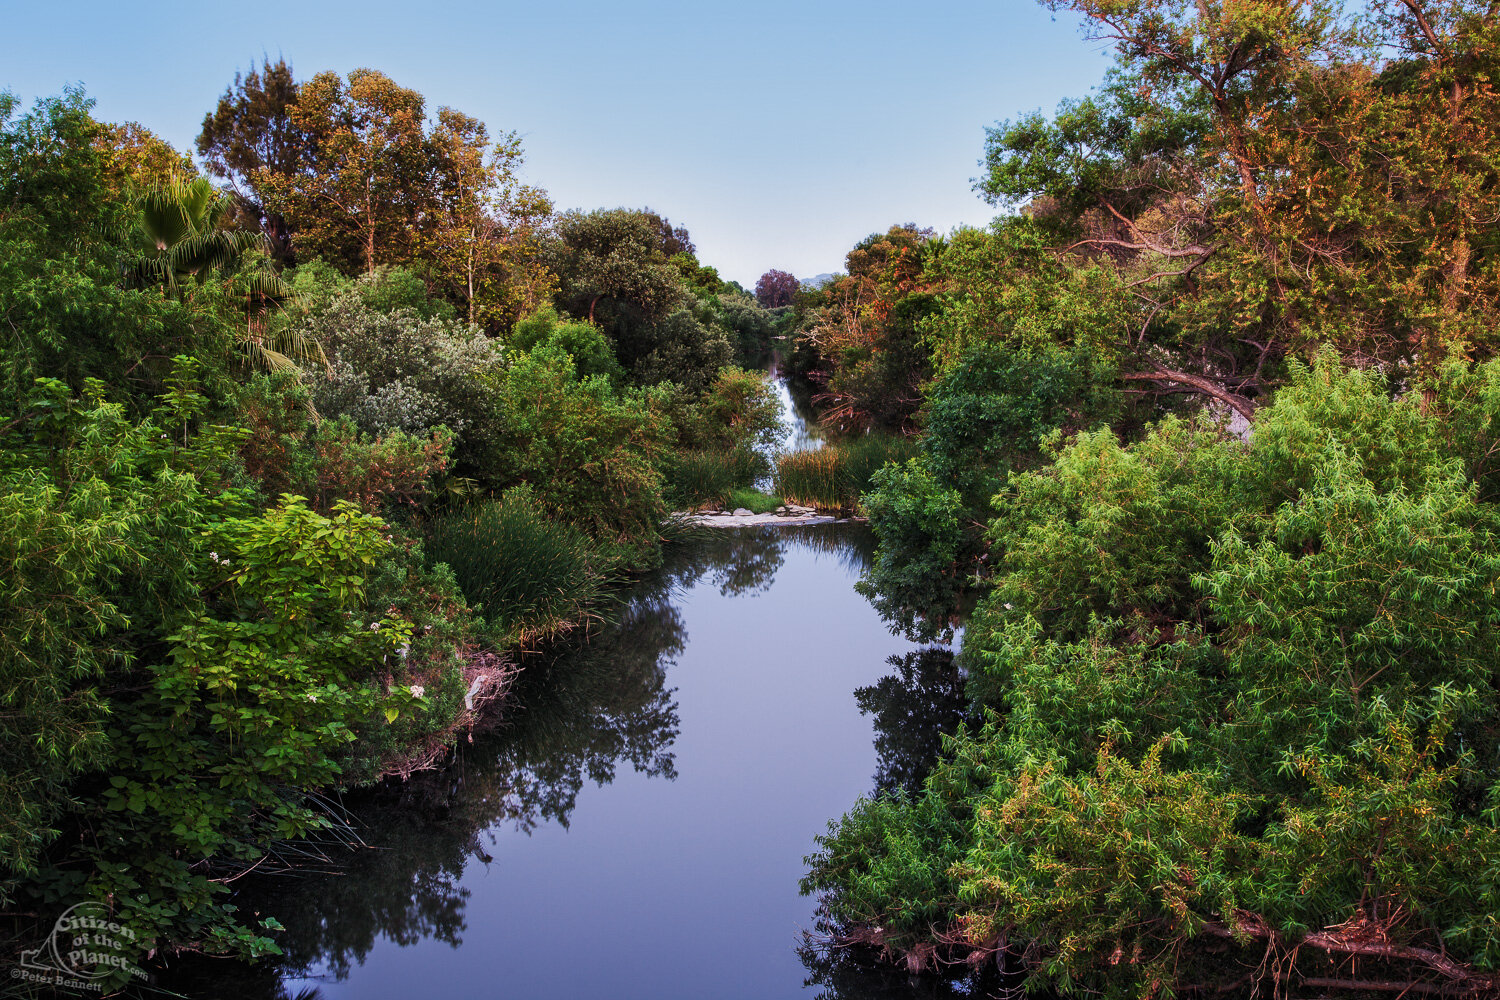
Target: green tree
(483, 250)
(250, 140)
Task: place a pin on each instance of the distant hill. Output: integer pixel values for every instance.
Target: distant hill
(816, 282)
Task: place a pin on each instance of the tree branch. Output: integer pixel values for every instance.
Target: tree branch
(1208, 387)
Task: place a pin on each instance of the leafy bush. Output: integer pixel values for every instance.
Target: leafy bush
(991, 410)
(1243, 689)
(259, 693)
(591, 454)
(739, 410)
(396, 370)
(529, 574)
(218, 659)
(584, 342)
(922, 563)
(333, 460)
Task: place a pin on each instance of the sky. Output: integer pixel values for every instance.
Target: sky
(779, 133)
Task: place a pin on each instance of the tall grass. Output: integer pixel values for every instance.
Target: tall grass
(527, 574)
(694, 478)
(836, 476)
(751, 499)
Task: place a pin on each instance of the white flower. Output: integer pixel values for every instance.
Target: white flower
(214, 556)
(417, 690)
(405, 648)
(374, 626)
(312, 696)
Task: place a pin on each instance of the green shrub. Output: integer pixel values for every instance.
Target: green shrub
(591, 454)
(528, 574)
(1242, 685)
(921, 566)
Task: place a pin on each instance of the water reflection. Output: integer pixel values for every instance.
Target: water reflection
(803, 432)
(582, 715)
(913, 708)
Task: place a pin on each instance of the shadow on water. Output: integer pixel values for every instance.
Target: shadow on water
(580, 713)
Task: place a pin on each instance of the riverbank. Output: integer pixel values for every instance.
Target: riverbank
(787, 516)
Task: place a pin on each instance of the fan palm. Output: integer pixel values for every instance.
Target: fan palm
(181, 226)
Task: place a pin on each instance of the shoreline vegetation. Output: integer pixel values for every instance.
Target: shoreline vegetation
(1205, 432)
(289, 480)
(1196, 444)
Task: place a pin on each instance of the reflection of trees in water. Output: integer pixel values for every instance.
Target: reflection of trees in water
(852, 544)
(913, 708)
(735, 560)
(578, 713)
(746, 560)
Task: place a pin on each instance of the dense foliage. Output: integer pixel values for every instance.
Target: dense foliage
(1208, 435)
(286, 471)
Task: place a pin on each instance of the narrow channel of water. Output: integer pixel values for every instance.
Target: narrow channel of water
(638, 828)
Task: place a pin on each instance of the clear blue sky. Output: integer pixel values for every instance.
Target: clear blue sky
(779, 133)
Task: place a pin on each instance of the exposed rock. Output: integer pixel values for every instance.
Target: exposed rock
(742, 512)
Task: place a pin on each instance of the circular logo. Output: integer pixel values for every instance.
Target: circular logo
(86, 944)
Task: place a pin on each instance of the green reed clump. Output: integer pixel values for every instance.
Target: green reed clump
(528, 574)
(836, 476)
(752, 500)
(812, 478)
(693, 478)
(864, 456)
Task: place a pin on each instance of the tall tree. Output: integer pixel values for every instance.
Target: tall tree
(369, 186)
(250, 138)
(484, 241)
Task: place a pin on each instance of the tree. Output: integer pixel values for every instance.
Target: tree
(135, 158)
(613, 266)
(1263, 177)
(482, 247)
(250, 138)
(181, 222)
(866, 330)
(68, 314)
(775, 289)
(369, 187)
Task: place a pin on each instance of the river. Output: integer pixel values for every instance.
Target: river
(637, 827)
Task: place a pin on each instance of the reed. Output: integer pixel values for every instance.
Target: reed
(695, 478)
(833, 478)
(528, 574)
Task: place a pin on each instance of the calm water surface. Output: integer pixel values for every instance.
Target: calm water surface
(638, 827)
